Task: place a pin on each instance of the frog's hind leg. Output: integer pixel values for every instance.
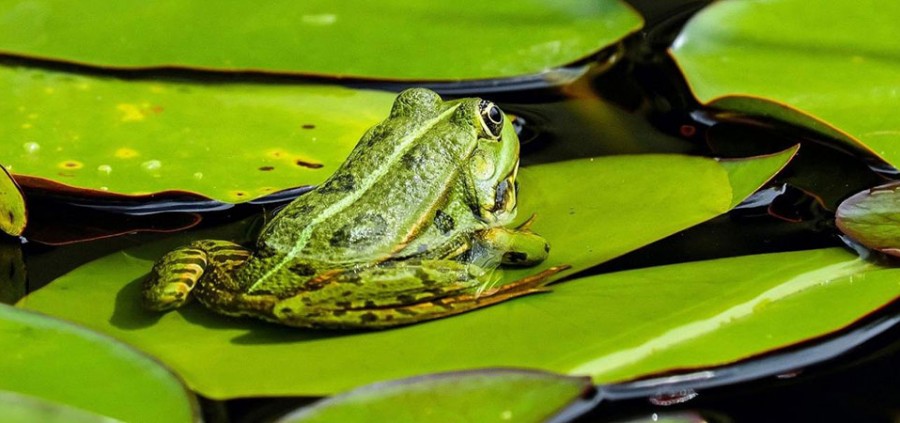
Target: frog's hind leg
(179, 271)
(383, 297)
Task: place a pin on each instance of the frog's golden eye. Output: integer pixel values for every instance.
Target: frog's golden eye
(491, 118)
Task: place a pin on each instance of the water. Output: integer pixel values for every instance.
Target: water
(638, 105)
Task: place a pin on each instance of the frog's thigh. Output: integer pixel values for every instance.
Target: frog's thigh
(516, 247)
(381, 296)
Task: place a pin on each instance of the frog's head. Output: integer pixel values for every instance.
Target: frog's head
(494, 162)
(489, 171)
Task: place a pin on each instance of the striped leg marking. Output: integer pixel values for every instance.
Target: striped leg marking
(176, 274)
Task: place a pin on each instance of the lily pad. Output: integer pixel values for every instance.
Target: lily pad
(476, 396)
(55, 361)
(393, 39)
(229, 142)
(832, 67)
(872, 218)
(616, 206)
(13, 216)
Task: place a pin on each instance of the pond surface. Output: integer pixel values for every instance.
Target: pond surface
(639, 104)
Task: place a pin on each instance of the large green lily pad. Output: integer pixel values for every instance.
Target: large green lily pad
(393, 39)
(61, 363)
(478, 396)
(832, 67)
(591, 210)
(229, 142)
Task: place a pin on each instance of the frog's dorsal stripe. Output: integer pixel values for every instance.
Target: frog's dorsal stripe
(402, 147)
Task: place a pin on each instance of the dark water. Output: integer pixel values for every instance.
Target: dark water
(638, 105)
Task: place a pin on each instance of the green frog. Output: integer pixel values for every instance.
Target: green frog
(409, 228)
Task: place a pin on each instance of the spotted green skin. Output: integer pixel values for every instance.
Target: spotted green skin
(409, 228)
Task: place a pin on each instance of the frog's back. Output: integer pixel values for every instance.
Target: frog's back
(385, 194)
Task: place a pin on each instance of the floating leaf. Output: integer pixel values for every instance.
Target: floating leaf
(392, 39)
(832, 67)
(13, 217)
(229, 142)
(57, 361)
(476, 396)
(615, 206)
(872, 218)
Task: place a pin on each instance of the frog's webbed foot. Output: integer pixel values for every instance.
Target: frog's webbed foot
(178, 272)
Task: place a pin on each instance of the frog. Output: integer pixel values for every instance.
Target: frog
(411, 227)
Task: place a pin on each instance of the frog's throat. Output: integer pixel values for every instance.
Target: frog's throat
(404, 145)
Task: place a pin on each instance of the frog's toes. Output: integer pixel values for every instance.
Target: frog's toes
(172, 278)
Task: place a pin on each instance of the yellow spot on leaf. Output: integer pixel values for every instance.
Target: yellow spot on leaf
(49, 90)
(126, 153)
(157, 88)
(26, 126)
(130, 112)
(70, 165)
(277, 153)
(237, 195)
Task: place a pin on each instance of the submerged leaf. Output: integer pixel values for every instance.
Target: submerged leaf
(616, 206)
(872, 218)
(57, 362)
(13, 216)
(476, 396)
(229, 142)
(388, 39)
(832, 67)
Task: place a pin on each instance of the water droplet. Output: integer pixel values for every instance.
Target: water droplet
(104, 169)
(151, 165)
(31, 147)
(198, 175)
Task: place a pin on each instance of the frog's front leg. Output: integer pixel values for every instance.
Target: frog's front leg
(179, 271)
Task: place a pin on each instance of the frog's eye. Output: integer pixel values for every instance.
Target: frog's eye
(491, 118)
